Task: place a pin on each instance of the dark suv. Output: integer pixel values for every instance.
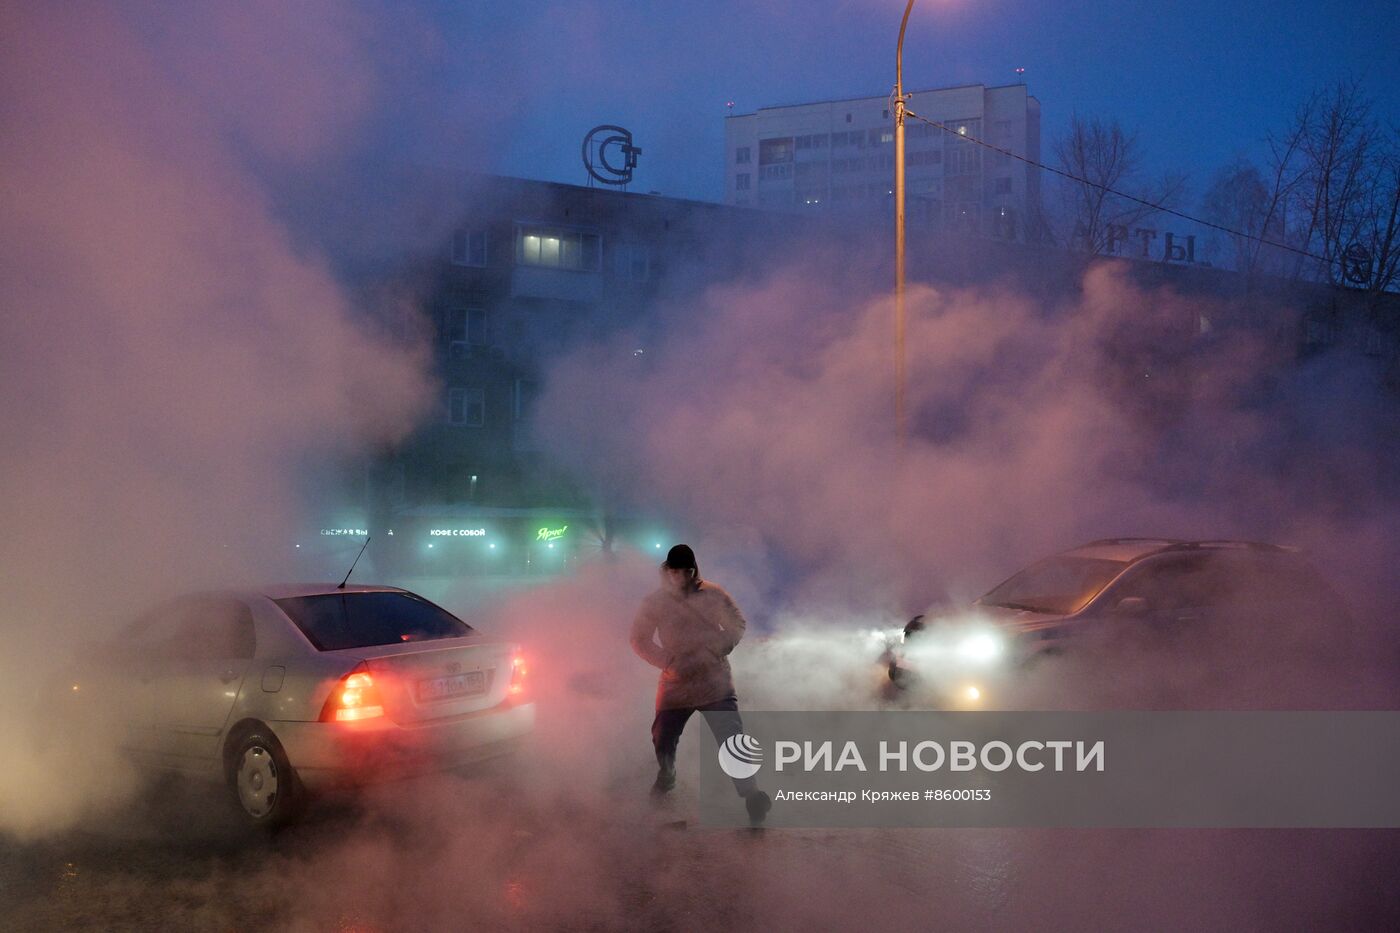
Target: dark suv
(1148, 592)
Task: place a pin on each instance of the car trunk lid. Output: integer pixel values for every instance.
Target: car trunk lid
(421, 682)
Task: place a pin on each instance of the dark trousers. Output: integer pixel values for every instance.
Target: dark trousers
(724, 720)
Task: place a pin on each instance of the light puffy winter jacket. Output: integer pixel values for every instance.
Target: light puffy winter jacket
(696, 630)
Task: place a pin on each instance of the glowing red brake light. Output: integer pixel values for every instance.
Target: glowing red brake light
(354, 698)
(517, 677)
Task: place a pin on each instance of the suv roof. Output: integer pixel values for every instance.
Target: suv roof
(1130, 550)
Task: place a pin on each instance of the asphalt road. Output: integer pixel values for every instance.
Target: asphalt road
(504, 849)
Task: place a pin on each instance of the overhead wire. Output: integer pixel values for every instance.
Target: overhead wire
(1162, 208)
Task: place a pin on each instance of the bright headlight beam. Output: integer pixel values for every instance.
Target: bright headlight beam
(980, 646)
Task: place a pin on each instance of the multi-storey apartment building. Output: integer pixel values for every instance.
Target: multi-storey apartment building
(838, 156)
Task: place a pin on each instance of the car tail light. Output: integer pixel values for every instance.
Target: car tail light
(354, 698)
(516, 690)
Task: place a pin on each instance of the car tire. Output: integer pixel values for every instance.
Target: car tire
(264, 788)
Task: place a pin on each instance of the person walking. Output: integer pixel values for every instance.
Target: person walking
(687, 627)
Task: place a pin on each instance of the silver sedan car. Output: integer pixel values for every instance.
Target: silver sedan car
(291, 689)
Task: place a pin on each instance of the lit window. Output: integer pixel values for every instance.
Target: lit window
(466, 407)
(558, 249)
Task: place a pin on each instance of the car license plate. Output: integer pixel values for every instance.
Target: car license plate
(454, 685)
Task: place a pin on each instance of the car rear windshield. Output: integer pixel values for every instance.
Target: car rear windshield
(364, 620)
(1057, 585)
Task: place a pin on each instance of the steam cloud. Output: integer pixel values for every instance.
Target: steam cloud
(173, 353)
(1040, 421)
(170, 361)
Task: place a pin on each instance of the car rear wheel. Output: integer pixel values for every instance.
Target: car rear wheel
(265, 789)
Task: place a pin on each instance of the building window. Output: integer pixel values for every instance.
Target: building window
(775, 172)
(971, 127)
(466, 407)
(963, 188)
(395, 485)
(558, 249)
(469, 248)
(966, 217)
(964, 160)
(633, 261)
(1374, 343)
(1004, 223)
(1317, 332)
(741, 181)
(773, 151)
(929, 210)
(522, 399)
(466, 327)
(460, 482)
(743, 155)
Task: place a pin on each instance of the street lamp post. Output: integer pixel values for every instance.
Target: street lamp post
(899, 102)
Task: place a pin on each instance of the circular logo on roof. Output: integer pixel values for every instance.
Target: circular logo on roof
(609, 155)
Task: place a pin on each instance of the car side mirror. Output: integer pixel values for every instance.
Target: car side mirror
(1132, 607)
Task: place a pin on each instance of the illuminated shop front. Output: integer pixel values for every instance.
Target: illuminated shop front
(446, 542)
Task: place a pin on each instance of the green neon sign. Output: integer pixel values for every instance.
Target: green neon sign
(551, 534)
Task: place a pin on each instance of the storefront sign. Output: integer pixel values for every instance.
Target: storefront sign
(551, 534)
(339, 532)
(1140, 243)
(457, 532)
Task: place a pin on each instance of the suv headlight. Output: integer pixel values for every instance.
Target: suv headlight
(981, 647)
